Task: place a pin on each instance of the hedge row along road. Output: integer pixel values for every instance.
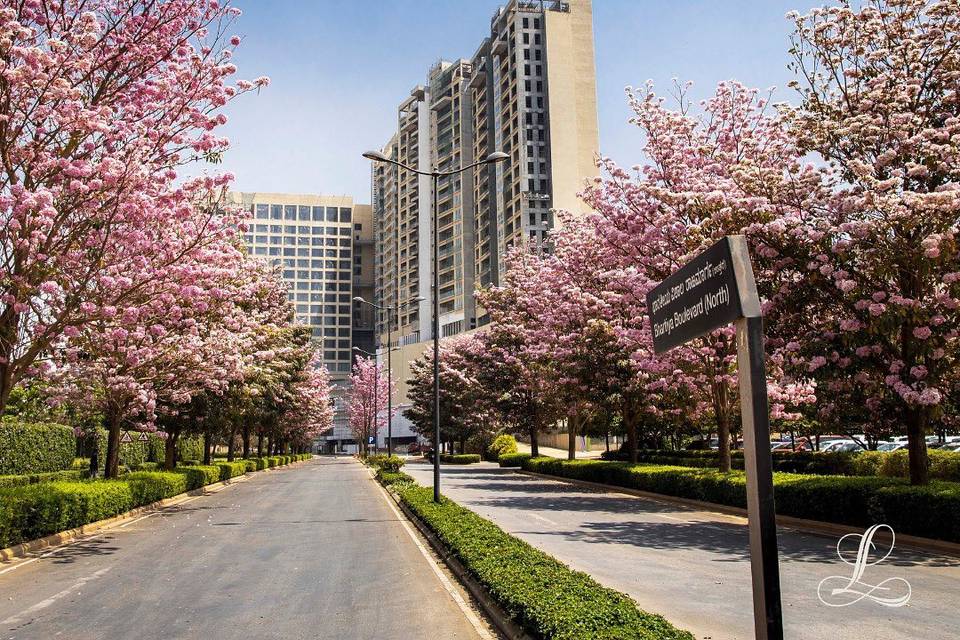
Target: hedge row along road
(692, 566)
(310, 551)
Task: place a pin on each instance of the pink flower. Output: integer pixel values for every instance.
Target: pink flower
(922, 333)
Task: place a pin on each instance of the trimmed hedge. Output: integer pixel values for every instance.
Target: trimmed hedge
(34, 447)
(387, 478)
(930, 512)
(150, 486)
(36, 478)
(31, 512)
(513, 459)
(944, 465)
(460, 458)
(543, 596)
(389, 464)
(231, 469)
(199, 475)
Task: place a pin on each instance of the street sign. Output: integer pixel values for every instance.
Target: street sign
(125, 437)
(143, 436)
(371, 439)
(695, 300)
(713, 290)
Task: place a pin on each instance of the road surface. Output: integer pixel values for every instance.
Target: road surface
(693, 566)
(312, 551)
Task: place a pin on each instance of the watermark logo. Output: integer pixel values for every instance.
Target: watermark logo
(843, 591)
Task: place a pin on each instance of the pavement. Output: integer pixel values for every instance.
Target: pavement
(311, 551)
(523, 447)
(692, 566)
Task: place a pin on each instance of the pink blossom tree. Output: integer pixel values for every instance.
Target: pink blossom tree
(367, 400)
(880, 102)
(103, 101)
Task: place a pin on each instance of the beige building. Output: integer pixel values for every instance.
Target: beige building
(324, 247)
(528, 91)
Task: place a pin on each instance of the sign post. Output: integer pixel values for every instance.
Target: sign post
(714, 289)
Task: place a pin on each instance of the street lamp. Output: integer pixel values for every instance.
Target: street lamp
(436, 174)
(389, 363)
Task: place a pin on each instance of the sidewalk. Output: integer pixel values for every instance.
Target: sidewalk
(523, 447)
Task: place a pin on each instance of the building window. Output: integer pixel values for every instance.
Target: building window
(331, 214)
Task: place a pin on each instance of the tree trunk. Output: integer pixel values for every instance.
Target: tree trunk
(170, 451)
(572, 424)
(917, 446)
(534, 448)
(631, 421)
(207, 446)
(723, 436)
(259, 445)
(246, 440)
(94, 454)
(112, 420)
(232, 444)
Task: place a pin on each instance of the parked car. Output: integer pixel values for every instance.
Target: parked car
(951, 446)
(841, 446)
(891, 446)
(780, 445)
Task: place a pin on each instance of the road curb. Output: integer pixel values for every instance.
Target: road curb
(800, 524)
(53, 540)
(501, 620)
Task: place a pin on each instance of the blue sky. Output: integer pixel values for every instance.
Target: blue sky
(340, 67)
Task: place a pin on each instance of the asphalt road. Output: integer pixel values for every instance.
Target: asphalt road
(693, 566)
(312, 551)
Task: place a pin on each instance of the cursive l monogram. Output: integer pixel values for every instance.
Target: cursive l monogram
(841, 591)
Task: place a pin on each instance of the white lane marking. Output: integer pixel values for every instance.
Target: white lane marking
(467, 611)
(43, 604)
(542, 519)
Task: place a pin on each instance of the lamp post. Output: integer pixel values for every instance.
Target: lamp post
(389, 364)
(436, 174)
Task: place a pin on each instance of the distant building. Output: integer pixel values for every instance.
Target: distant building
(529, 91)
(324, 247)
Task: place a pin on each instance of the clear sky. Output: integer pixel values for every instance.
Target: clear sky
(339, 68)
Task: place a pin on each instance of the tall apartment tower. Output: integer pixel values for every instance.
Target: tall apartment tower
(528, 91)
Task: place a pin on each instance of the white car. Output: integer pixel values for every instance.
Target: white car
(891, 446)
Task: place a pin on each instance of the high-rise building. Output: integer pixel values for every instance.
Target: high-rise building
(528, 91)
(324, 246)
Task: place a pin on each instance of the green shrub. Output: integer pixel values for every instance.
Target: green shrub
(231, 469)
(80, 464)
(150, 486)
(388, 464)
(461, 458)
(68, 475)
(543, 596)
(250, 465)
(37, 510)
(33, 447)
(513, 459)
(503, 444)
(199, 475)
(260, 463)
(147, 466)
(851, 500)
(387, 478)
(188, 463)
(273, 461)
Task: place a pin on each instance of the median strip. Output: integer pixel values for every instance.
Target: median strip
(540, 596)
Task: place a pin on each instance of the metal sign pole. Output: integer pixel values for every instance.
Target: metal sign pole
(755, 414)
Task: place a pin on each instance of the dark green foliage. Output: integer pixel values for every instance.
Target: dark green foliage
(249, 465)
(858, 501)
(513, 459)
(261, 463)
(150, 486)
(461, 458)
(503, 444)
(543, 596)
(273, 461)
(31, 447)
(944, 465)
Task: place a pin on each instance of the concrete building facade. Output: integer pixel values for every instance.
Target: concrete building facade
(529, 91)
